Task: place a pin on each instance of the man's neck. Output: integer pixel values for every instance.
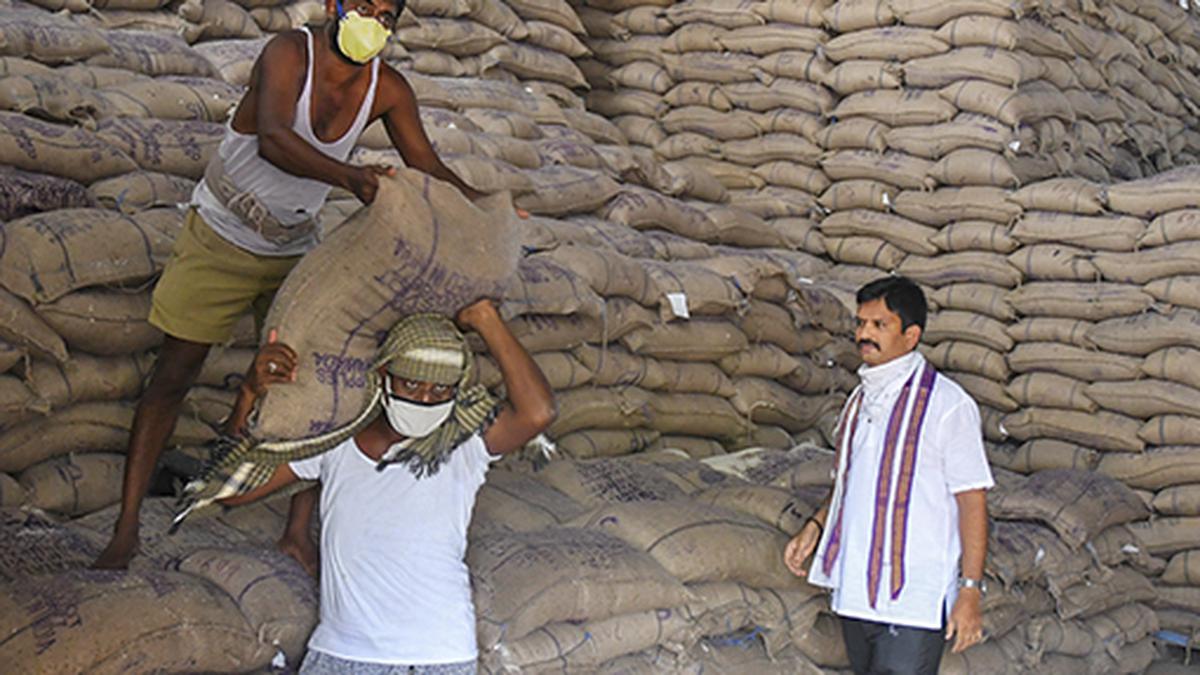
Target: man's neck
(336, 68)
(375, 439)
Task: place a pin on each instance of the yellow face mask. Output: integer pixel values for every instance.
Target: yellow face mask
(360, 38)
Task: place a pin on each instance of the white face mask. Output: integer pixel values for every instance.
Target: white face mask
(413, 419)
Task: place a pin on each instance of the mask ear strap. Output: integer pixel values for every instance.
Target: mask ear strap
(341, 12)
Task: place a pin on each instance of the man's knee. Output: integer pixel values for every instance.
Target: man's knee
(176, 369)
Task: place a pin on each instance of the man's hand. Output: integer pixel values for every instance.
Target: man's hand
(801, 548)
(363, 181)
(470, 316)
(966, 620)
(274, 363)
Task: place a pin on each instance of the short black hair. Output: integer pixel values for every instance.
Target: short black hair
(901, 296)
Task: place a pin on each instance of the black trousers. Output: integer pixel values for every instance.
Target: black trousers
(882, 649)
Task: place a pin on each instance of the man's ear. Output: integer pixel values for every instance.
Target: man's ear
(912, 336)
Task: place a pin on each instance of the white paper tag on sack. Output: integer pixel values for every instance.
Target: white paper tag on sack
(679, 305)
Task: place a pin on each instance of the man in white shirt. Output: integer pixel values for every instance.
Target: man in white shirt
(903, 536)
(396, 498)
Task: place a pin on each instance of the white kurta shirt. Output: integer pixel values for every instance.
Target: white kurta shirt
(950, 459)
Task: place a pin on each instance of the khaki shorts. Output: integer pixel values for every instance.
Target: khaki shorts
(209, 283)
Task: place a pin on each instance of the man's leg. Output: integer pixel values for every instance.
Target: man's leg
(892, 650)
(297, 535)
(178, 364)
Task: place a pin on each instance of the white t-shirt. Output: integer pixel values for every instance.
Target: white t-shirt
(395, 588)
(950, 459)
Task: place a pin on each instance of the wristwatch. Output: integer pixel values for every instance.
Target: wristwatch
(981, 584)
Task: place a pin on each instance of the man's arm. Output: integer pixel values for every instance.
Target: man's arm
(278, 79)
(966, 618)
(801, 547)
(403, 124)
(530, 406)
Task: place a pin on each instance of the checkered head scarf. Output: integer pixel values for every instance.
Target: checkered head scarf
(422, 347)
(430, 348)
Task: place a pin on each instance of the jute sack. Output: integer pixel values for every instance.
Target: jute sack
(103, 322)
(458, 37)
(741, 548)
(52, 97)
(961, 267)
(1146, 333)
(1056, 262)
(694, 340)
(555, 38)
(499, 17)
(451, 253)
(1182, 500)
(857, 194)
(856, 133)
(10, 356)
(777, 507)
(642, 208)
(892, 43)
(973, 166)
(896, 107)
(1069, 332)
(221, 19)
(84, 427)
(852, 15)
(277, 597)
(904, 234)
(597, 482)
(687, 144)
(605, 443)
(21, 327)
(988, 392)
(1150, 264)
(696, 414)
(1076, 504)
(37, 545)
(772, 202)
(1183, 569)
(113, 622)
(794, 469)
(232, 60)
(1169, 228)
(967, 327)
(612, 365)
(528, 62)
(968, 357)
(861, 77)
(724, 126)
(1170, 430)
(1007, 68)
(1051, 391)
(78, 154)
(982, 299)
(182, 148)
(1183, 291)
(526, 580)
(202, 99)
(24, 193)
(542, 286)
(48, 38)
(1087, 599)
(946, 205)
(1092, 232)
(587, 645)
(141, 190)
(772, 38)
(517, 502)
(1178, 597)
(561, 190)
(793, 175)
(771, 147)
(74, 485)
(1155, 469)
(1041, 454)
(1030, 102)
(1064, 195)
(1146, 398)
(692, 179)
(895, 168)
(152, 53)
(1168, 535)
(608, 408)
(97, 77)
(868, 251)
(965, 130)
(763, 360)
(1149, 197)
(1087, 301)
(782, 92)
(791, 63)
(1174, 363)
(1100, 430)
(625, 102)
(767, 402)
(1025, 551)
(562, 370)
(18, 402)
(49, 255)
(642, 75)
(934, 14)
(88, 378)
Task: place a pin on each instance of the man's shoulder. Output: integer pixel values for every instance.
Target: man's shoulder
(949, 393)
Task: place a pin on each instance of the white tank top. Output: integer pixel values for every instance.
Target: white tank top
(290, 198)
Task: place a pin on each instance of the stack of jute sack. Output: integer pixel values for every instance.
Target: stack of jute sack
(1069, 590)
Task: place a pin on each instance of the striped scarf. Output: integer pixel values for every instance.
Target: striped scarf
(907, 416)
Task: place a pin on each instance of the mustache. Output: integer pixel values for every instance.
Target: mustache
(873, 343)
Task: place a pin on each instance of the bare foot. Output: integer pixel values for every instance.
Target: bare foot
(119, 552)
(302, 548)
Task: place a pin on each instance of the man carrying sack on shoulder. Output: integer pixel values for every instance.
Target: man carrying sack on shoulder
(312, 94)
(903, 537)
